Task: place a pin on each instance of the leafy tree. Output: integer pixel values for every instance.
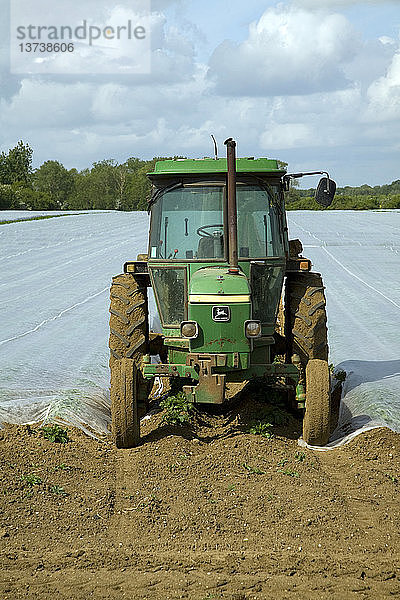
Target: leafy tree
(79, 198)
(139, 189)
(391, 202)
(29, 199)
(56, 182)
(16, 166)
(102, 185)
(7, 196)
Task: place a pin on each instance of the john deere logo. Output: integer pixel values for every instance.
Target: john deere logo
(221, 313)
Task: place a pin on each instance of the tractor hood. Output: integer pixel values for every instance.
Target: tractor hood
(217, 281)
(220, 303)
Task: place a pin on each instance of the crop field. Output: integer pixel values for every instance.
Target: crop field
(209, 510)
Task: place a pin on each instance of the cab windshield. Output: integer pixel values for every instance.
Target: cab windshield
(188, 224)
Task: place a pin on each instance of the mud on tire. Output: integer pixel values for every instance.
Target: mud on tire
(307, 306)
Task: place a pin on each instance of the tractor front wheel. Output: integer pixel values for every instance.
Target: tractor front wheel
(127, 388)
(316, 422)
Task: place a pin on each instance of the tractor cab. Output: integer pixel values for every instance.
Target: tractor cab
(190, 234)
(189, 222)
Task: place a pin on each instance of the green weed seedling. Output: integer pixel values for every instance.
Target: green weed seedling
(283, 462)
(261, 428)
(392, 478)
(173, 466)
(276, 411)
(254, 470)
(300, 456)
(62, 467)
(58, 490)
(55, 433)
(178, 409)
(289, 472)
(31, 479)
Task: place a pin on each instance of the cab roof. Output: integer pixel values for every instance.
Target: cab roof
(193, 166)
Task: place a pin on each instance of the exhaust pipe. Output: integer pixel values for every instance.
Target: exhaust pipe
(232, 211)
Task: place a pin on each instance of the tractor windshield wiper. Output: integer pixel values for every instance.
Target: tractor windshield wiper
(160, 192)
(266, 235)
(165, 234)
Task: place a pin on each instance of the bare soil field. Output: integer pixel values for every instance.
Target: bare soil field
(209, 511)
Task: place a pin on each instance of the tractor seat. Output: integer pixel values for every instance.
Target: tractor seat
(206, 248)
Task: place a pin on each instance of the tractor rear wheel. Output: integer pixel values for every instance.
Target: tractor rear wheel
(316, 421)
(129, 329)
(306, 303)
(129, 342)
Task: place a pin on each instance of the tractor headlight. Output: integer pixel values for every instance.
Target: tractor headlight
(252, 329)
(189, 329)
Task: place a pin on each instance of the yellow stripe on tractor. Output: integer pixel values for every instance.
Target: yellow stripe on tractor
(217, 298)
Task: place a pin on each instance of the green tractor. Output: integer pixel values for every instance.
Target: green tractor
(236, 299)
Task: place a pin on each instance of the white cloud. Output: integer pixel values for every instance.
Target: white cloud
(372, 59)
(387, 41)
(288, 51)
(47, 105)
(279, 136)
(384, 94)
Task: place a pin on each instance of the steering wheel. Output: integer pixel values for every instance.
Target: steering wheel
(200, 231)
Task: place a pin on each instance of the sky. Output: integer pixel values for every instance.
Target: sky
(315, 83)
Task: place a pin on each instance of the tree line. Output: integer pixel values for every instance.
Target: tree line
(106, 185)
(109, 185)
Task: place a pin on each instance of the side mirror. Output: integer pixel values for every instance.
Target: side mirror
(325, 191)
